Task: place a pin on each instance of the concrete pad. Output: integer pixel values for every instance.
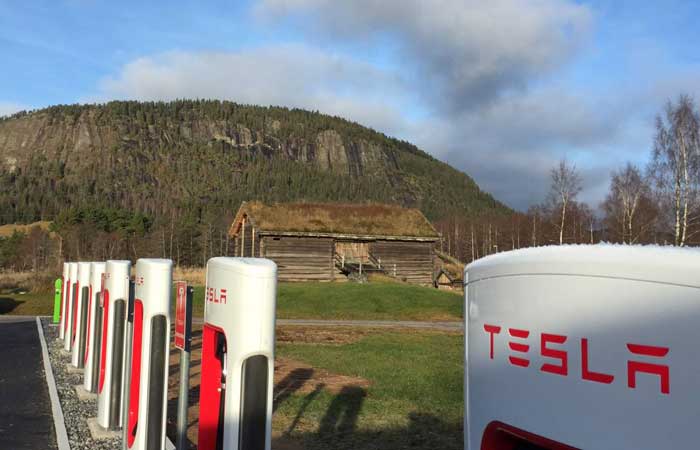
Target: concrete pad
(72, 369)
(83, 394)
(98, 433)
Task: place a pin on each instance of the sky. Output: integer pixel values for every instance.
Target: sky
(500, 89)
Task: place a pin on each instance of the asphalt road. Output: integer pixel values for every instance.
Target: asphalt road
(25, 409)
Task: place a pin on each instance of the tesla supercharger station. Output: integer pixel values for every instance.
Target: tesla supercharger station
(589, 347)
(115, 295)
(80, 316)
(148, 377)
(94, 328)
(64, 291)
(238, 337)
(71, 299)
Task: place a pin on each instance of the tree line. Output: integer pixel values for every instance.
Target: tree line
(656, 204)
(99, 234)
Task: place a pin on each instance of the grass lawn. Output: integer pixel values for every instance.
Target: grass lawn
(348, 301)
(28, 304)
(414, 400)
(354, 301)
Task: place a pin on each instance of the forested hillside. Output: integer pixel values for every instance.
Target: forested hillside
(177, 171)
(208, 156)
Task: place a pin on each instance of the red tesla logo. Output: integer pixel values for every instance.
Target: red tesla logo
(215, 295)
(559, 358)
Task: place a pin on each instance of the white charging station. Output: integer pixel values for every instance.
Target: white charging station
(238, 341)
(115, 295)
(148, 378)
(80, 316)
(71, 300)
(65, 288)
(588, 347)
(94, 325)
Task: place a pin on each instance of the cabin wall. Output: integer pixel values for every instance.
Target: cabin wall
(300, 258)
(313, 258)
(414, 260)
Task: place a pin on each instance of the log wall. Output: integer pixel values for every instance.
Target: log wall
(312, 258)
(300, 258)
(413, 260)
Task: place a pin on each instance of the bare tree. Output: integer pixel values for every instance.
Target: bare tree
(675, 163)
(535, 214)
(583, 215)
(626, 206)
(566, 185)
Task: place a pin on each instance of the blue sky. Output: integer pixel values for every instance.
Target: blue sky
(499, 89)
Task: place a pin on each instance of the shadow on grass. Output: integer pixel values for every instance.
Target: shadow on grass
(290, 384)
(8, 304)
(342, 413)
(338, 429)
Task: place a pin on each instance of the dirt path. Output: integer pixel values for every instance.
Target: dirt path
(392, 324)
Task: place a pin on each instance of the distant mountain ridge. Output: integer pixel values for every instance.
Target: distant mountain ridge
(208, 156)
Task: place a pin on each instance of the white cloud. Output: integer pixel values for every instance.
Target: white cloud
(465, 51)
(287, 75)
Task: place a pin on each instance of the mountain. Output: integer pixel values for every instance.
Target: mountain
(205, 157)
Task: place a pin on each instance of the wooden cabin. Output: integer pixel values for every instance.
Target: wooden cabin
(331, 241)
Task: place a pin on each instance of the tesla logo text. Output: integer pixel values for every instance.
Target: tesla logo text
(558, 358)
(215, 295)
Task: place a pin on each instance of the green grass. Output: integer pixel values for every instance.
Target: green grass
(416, 393)
(369, 301)
(28, 304)
(353, 301)
(342, 301)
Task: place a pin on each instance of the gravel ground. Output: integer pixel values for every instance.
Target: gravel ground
(75, 412)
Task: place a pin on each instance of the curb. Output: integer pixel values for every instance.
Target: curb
(58, 421)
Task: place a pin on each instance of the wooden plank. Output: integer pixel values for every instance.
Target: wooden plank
(414, 261)
(300, 258)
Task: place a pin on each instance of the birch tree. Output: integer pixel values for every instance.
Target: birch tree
(675, 163)
(566, 185)
(627, 205)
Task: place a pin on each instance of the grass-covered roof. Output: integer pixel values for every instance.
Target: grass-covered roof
(335, 218)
